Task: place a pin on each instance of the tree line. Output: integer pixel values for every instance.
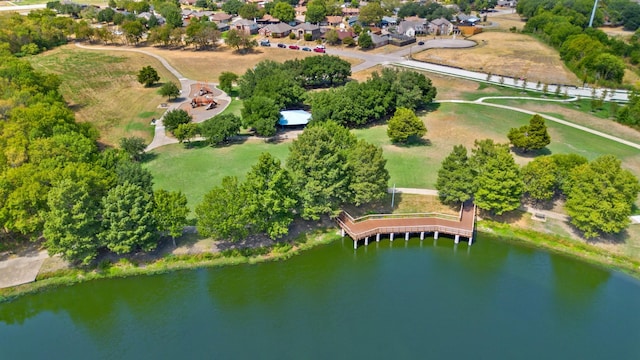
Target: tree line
(599, 195)
(57, 183)
(590, 53)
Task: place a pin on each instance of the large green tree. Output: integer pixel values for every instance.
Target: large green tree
(134, 146)
(221, 213)
(170, 90)
(128, 223)
(369, 178)
(148, 76)
(284, 12)
(498, 182)
(540, 178)
(405, 125)
(220, 128)
(455, 177)
(269, 197)
(530, 137)
(600, 197)
(71, 224)
(173, 118)
(170, 211)
(226, 80)
(262, 114)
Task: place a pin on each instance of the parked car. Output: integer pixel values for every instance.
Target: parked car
(319, 50)
(283, 46)
(294, 47)
(420, 42)
(306, 49)
(265, 43)
(320, 47)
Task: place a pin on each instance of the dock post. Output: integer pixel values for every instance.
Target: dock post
(366, 241)
(406, 236)
(470, 240)
(457, 239)
(355, 244)
(378, 237)
(435, 235)
(422, 236)
(391, 237)
(342, 232)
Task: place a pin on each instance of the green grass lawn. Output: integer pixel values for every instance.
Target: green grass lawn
(102, 88)
(195, 171)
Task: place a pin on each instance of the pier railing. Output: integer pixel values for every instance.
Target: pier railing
(435, 215)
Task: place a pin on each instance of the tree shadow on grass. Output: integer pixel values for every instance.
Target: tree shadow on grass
(414, 142)
(530, 154)
(508, 217)
(148, 157)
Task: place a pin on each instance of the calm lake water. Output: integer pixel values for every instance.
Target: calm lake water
(418, 300)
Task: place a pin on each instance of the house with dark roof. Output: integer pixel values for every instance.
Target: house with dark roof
(278, 30)
(307, 28)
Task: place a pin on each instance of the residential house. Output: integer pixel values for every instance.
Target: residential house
(246, 26)
(467, 20)
(188, 2)
(267, 19)
(334, 20)
(307, 28)
(147, 16)
(353, 20)
(343, 34)
(278, 30)
(441, 26)
(389, 21)
(411, 28)
(222, 20)
(300, 10)
(350, 11)
(414, 18)
(379, 40)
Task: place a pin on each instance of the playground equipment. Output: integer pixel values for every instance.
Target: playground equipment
(204, 90)
(206, 101)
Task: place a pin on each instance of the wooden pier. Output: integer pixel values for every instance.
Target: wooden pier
(370, 226)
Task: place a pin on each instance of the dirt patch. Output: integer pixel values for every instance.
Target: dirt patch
(507, 54)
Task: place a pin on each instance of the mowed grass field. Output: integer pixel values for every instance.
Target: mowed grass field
(507, 54)
(102, 88)
(195, 171)
(208, 65)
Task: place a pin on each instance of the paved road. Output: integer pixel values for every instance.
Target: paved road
(550, 118)
(23, 8)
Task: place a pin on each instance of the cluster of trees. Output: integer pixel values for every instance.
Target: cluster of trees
(270, 87)
(34, 33)
(279, 9)
(57, 183)
(489, 176)
(590, 53)
(429, 11)
(599, 195)
(326, 168)
(630, 114)
(404, 126)
(215, 130)
(356, 104)
(617, 12)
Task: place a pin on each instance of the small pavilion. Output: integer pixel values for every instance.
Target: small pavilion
(294, 118)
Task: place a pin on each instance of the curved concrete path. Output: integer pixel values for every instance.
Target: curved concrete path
(550, 118)
(160, 137)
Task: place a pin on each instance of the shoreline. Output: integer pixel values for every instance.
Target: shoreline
(283, 251)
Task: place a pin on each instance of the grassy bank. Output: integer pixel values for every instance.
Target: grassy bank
(126, 268)
(561, 245)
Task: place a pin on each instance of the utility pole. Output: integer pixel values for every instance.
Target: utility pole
(593, 13)
(393, 196)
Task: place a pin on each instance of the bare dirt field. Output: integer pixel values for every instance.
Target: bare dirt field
(508, 54)
(617, 31)
(507, 21)
(208, 65)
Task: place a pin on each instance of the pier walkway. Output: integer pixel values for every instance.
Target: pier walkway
(368, 226)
